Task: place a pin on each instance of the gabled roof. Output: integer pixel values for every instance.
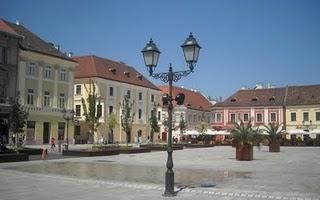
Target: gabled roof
(92, 66)
(303, 95)
(31, 41)
(255, 97)
(193, 100)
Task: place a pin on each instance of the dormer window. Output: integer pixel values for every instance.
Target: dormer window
(233, 100)
(113, 70)
(188, 104)
(127, 73)
(272, 99)
(139, 76)
(254, 99)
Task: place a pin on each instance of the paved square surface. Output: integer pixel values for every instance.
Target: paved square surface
(294, 173)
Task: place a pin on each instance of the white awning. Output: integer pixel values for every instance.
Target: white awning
(297, 131)
(191, 132)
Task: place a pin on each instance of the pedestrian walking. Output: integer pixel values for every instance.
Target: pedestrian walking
(53, 144)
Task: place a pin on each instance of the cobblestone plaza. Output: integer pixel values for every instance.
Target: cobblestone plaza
(293, 173)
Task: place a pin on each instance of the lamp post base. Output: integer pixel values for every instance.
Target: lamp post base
(169, 192)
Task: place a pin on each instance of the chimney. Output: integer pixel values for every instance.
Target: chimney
(69, 54)
(57, 47)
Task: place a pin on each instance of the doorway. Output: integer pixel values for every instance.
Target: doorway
(46, 132)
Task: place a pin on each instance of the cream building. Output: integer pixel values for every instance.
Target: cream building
(45, 84)
(195, 109)
(113, 80)
(303, 111)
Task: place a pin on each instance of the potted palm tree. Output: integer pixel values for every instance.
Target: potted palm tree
(245, 137)
(274, 135)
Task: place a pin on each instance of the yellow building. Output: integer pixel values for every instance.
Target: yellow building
(45, 84)
(113, 80)
(303, 111)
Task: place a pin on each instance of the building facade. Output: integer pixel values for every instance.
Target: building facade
(260, 106)
(303, 111)
(45, 84)
(113, 80)
(9, 51)
(196, 109)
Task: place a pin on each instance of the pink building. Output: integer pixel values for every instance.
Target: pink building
(261, 106)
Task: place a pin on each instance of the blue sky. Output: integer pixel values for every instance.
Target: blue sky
(244, 42)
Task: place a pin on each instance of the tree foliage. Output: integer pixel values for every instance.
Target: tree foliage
(245, 134)
(202, 129)
(112, 121)
(90, 111)
(153, 125)
(182, 124)
(127, 117)
(274, 131)
(18, 118)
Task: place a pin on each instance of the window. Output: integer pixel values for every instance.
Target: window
(293, 116)
(152, 113)
(218, 117)
(152, 98)
(129, 94)
(63, 75)
(31, 69)
(48, 72)
(77, 130)
(46, 98)
(140, 96)
(30, 130)
(159, 115)
(30, 97)
(189, 118)
(78, 89)
(61, 100)
(140, 113)
(317, 116)
(273, 117)
(199, 118)
(110, 109)
(2, 55)
(245, 117)
(259, 117)
(99, 110)
(233, 117)
(305, 116)
(194, 118)
(78, 110)
(208, 119)
(111, 91)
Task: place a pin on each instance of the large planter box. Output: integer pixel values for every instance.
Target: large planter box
(133, 150)
(31, 151)
(244, 152)
(86, 153)
(274, 146)
(159, 147)
(198, 145)
(13, 157)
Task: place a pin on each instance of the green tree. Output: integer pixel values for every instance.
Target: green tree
(112, 122)
(127, 117)
(153, 125)
(18, 119)
(274, 132)
(202, 129)
(92, 111)
(245, 134)
(182, 125)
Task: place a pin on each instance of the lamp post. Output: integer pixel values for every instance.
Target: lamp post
(151, 56)
(68, 115)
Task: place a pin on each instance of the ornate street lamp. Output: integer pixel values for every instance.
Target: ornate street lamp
(67, 115)
(151, 54)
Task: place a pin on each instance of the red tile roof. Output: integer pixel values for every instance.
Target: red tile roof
(193, 100)
(255, 97)
(93, 66)
(31, 41)
(303, 95)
